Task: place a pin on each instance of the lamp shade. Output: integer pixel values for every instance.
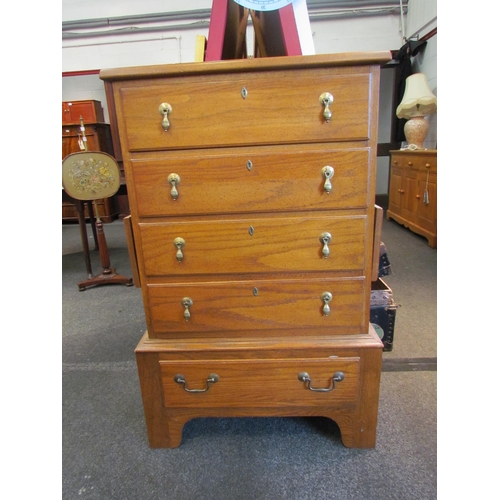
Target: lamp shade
(418, 99)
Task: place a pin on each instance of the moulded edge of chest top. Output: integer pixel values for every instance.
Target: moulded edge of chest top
(242, 65)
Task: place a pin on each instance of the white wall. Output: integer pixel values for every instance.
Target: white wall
(421, 19)
(80, 88)
(426, 62)
(94, 9)
(176, 42)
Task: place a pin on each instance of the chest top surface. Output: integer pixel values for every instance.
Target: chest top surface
(245, 65)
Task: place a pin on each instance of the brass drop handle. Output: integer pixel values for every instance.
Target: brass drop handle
(325, 238)
(174, 180)
(326, 100)
(326, 297)
(179, 244)
(213, 378)
(187, 302)
(164, 110)
(337, 377)
(327, 173)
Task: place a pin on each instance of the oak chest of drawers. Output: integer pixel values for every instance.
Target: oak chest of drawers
(251, 187)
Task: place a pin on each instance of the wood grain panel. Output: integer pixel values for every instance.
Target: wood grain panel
(274, 180)
(252, 262)
(209, 111)
(260, 383)
(276, 305)
(276, 245)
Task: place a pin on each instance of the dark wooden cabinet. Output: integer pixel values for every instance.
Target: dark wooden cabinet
(89, 111)
(98, 139)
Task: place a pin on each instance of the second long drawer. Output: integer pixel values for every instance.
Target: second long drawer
(253, 180)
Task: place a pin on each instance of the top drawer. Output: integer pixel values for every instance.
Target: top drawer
(246, 109)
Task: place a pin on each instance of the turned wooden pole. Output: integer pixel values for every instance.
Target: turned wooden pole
(103, 247)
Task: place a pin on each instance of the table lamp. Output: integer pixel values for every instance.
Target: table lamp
(417, 103)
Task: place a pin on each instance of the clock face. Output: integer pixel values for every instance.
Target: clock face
(263, 5)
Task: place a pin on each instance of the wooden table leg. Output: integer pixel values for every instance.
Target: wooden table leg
(90, 209)
(108, 275)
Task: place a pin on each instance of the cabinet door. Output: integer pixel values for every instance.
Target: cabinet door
(427, 212)
(65, 112)
(395, 190)
(89, 111)
(98, 139)
(409, 192)
(70, 142)
(85, 110)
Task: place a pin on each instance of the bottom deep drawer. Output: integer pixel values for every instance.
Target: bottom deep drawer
(259, 383)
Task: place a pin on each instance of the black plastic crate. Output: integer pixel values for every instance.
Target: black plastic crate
(383, 312)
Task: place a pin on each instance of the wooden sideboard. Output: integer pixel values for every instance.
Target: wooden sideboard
(252, 224)
(413, 192)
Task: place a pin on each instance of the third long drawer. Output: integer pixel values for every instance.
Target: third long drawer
(255, 245)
